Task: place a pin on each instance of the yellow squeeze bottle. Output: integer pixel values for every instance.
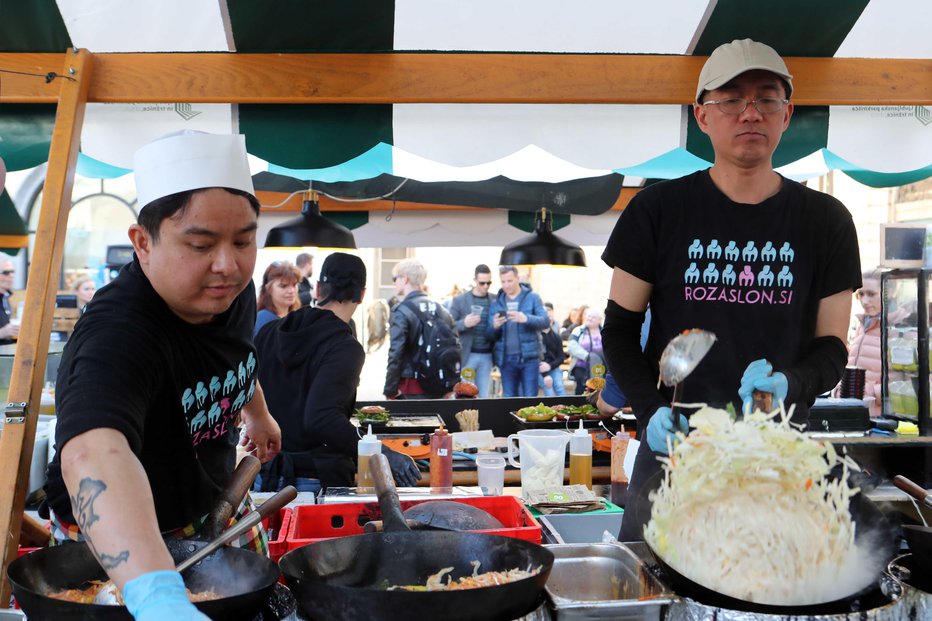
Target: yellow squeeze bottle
(581, 457)
(368, 446)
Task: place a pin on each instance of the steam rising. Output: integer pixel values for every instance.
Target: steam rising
(745, 510)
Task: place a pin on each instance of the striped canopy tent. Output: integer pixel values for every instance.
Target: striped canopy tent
(543, 91)
(595, 120)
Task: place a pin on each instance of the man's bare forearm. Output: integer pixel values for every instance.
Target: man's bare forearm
(112, 504)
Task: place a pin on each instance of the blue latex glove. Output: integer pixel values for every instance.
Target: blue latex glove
(404, 470)
(160, 595)
(660, 426)
(759, 375)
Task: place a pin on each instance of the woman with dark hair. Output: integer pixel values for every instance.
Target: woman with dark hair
(309, 366)
(279, 293)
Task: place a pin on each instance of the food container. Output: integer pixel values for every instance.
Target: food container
(581, 527)
(604, 581)
(310, 523)
(277, 528)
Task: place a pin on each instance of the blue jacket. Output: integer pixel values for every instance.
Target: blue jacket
(528, 333)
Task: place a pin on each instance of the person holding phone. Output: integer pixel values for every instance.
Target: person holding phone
(520, 317)
(470, 312)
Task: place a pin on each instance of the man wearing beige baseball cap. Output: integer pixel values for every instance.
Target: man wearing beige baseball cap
(765, 263)
(158, 373)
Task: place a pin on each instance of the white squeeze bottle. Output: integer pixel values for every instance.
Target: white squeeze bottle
(581, 457)
(368, 446)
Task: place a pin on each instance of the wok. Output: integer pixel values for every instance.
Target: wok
(872, 527)
(241, 577)
(346, 578)
(919, 538)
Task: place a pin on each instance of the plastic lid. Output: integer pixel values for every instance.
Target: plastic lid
(580, 431)
(369, 443)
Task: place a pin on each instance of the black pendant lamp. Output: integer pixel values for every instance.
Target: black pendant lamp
(310, 229)
(543, 247)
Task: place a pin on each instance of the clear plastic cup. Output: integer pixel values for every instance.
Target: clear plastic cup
(476, 309)
(491, 469)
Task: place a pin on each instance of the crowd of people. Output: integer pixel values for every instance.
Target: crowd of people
(510, 334)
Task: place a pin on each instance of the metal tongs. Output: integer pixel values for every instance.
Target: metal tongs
(679, 358)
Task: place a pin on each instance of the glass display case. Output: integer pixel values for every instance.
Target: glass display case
(904, 340)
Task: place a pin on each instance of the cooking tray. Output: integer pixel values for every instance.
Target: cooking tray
(611, 422)
(404, 424)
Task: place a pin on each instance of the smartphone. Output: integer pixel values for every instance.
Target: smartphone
(500, 313)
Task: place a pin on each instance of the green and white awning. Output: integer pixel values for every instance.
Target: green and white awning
(877, 145)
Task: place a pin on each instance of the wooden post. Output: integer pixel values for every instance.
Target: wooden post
(19, 428)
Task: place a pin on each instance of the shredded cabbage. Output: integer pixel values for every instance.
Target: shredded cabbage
(745, 509)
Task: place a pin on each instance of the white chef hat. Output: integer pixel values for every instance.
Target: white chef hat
(191, 160)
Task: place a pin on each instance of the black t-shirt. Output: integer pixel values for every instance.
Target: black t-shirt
(174, 389)
(752, 274)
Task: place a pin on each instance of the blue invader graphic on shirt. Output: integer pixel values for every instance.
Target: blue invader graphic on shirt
(695, 251)
(731, 251)
(692, 274)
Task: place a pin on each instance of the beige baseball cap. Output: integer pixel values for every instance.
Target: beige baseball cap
(732, 59)
(191, 160)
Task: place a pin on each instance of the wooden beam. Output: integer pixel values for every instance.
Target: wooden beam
(16, 441)
(14, 241)
(450, 78)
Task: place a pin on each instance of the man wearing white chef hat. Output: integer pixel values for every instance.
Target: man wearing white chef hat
(158, 371)
(763, 262)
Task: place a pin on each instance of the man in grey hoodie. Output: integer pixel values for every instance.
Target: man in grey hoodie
(311, 362)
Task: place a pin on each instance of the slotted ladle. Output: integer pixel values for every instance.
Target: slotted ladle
(680, 358)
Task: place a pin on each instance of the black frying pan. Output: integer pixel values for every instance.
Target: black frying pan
(871, 525)
(346, 578)
(243, 578)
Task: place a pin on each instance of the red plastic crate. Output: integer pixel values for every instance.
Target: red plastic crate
(310, 523)
(280, 523)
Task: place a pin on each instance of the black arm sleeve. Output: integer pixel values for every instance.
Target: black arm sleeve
(818, 371)
(621, 343)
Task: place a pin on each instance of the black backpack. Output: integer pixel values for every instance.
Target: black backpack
(437, 360)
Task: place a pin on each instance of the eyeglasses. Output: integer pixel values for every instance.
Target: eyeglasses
(396, 277)
(8, 272)
(483, 283)
(737, 105)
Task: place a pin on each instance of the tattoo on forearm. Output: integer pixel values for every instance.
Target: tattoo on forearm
(82, 506)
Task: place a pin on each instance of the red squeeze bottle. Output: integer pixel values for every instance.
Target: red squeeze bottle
(441, 461)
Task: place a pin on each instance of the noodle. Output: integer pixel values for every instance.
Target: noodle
(745, 509)
(88, 594)
(475, 581)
